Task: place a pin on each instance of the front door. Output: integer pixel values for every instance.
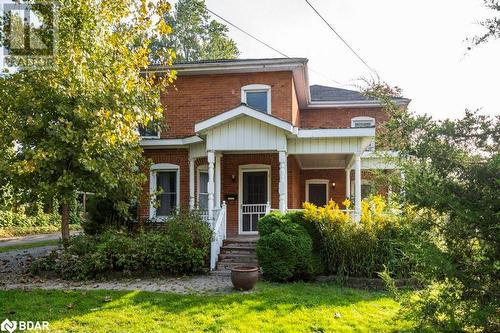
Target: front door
(254, 200)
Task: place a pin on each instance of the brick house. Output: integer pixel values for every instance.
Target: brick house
(247, 136)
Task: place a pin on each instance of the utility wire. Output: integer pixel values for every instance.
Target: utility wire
(269, 46)
(342, 39)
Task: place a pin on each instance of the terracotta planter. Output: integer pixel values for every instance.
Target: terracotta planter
(244, 277)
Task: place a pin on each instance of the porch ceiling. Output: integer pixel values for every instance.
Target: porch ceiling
(322, 161)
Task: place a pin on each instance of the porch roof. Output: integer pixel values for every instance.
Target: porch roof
(291, 131)
(240, 111)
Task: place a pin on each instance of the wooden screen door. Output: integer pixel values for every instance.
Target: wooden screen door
(254, 200)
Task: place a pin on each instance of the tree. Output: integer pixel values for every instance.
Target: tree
(452, 170)
(491, 25)
(73, 127)
(194, 36)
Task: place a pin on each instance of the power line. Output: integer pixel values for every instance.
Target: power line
(342, 39)
(248, 34)
(269, 46)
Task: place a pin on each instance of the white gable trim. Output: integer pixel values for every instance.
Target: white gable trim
(239, 111)
(336, 132)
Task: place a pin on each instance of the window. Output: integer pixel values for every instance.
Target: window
(203, 188)
(150, 131)
(317, 191)
(363, 122)
(164, 188)
(367, 188)
(257, 96)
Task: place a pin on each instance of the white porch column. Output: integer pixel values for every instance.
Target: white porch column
(348, 183)
(283, 197)
(191, 183)
(357, 187)
(211, 185)
(217, 179)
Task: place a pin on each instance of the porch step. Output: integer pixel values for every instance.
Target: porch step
(237, 251)
(224, 265)
(237, 257)
(240, 248)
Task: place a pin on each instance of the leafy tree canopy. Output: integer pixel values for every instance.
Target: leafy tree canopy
(491, 25)
(452, 176)
(72, 127)
(194, 35)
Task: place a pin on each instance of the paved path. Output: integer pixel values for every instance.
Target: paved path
(32, 238)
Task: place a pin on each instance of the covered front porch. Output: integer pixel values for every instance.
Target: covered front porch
(254, 162)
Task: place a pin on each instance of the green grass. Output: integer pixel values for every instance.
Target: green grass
(296, 307)
(27, 245)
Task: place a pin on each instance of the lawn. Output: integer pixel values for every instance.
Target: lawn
(28, 245)
(296, 307)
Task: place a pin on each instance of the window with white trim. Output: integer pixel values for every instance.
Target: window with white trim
(164, 187)
(257, 96)
(362, 122)
(317, 191)
(203, 187)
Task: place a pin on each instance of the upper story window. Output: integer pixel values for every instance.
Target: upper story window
(257, 96)
(363, 122)
(150, 131)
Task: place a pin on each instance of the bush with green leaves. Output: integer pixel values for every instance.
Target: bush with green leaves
(284, 249)
(350, 249)
(102, 215)
(181, 247)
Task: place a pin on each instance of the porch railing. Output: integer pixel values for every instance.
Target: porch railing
(252, 210)
(219, 234)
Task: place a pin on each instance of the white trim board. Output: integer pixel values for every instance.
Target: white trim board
(159, 143)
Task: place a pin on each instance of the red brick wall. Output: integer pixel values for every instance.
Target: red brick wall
(174, 156)
(196, 98)
(337, 194)
(338, 117)
(230, 166)
(294, 180)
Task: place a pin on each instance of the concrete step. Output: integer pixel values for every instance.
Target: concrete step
(237, 257)
(238, 247)
(238, 243)
(222, 265)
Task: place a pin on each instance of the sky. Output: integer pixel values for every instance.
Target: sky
(418, 46)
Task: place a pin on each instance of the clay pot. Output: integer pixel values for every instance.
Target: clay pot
(244, 277)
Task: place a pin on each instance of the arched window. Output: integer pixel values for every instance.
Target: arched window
(257, 96)
(363, 122)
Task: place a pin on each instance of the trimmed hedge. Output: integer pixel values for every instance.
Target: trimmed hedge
(284, 249)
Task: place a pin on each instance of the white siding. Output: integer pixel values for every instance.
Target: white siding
(324, 145)
(197, 150)
(245, 133)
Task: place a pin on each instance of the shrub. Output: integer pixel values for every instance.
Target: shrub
(182, 247)
(284, 249)
(102, 214)
(11, 219)
(362, 249)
